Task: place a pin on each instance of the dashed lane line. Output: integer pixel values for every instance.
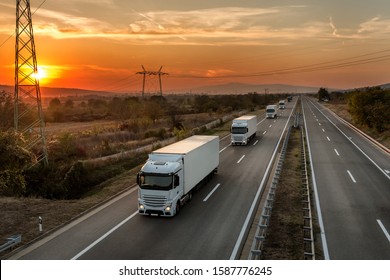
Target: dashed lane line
(350, 175)
(241, 159)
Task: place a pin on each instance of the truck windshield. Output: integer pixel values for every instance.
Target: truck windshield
(270, 110)
(239, 130)
(155, 181)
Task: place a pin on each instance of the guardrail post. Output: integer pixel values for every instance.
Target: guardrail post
(40, 223)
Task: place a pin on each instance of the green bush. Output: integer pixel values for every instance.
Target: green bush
(12, 183)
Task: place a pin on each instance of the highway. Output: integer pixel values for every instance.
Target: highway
(352, 187)
(351, 183)
(211, 226)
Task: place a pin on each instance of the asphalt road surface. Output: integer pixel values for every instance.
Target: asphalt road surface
(352, 182)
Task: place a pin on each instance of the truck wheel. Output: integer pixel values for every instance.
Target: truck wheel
(177, 208)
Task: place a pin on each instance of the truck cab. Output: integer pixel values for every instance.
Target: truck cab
(160, 184)
(282, 104)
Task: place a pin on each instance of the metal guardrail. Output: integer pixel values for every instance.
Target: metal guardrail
(297, 120)
(308, 235)
(258, 241)
(11, 241)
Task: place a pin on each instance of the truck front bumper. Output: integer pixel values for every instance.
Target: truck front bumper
(167, 211)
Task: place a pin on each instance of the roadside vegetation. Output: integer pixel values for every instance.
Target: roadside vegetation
(368, 109)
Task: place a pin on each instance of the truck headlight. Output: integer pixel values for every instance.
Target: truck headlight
(168, 208)
(141, 207)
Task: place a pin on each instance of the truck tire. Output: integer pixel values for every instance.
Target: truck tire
(177, 208)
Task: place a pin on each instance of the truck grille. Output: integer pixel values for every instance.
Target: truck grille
(238, 138)
(154, 201)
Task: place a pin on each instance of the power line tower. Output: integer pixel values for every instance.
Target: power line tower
(151, 73)
(28, 115)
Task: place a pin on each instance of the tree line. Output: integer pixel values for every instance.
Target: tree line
(369, 107)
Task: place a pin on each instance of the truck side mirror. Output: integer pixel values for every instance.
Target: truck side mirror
(177, 180)
(138, 179)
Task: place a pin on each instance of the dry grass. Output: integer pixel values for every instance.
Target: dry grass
(285, 233)
(20, 215)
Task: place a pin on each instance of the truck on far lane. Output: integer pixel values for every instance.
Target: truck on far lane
(171, 174)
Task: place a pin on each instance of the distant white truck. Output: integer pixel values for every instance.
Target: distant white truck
(271, 112)
(243, 129)
(171, 174)
(282, 104)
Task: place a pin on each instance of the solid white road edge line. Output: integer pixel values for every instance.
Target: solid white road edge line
(384, 229)
(320, 220)
(104, 236)
(213, 190)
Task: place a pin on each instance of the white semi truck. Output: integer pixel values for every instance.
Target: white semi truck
(171, 174)
(243, 130)
(271, 112)
(282, 104)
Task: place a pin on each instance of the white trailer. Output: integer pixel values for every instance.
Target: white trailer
(271, 112)
(243, 130)
(172, 173)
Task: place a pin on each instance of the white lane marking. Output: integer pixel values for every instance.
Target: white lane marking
(241, 159)
(257, 141)
(261, 121)
(226, 136)
(384, 229)
(270, 125)
(213, 190)
(245, 226)
(328, 138)
(350, 175)
(104, 236)
(317, 120)
(274, 121)
(353, 143)
(323, 130)
(387, 171)
(225, 148)
(337, 153)
(317, 198)
(319, 123)
(264, 132)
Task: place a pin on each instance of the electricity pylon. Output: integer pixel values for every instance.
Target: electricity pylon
(28, 115)
(149, 73)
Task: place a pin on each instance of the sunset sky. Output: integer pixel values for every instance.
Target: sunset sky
(100, 45)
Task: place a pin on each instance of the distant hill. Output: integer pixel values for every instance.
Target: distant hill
(241, 88)
(229, 88)
(64, 92)
(385, 86)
